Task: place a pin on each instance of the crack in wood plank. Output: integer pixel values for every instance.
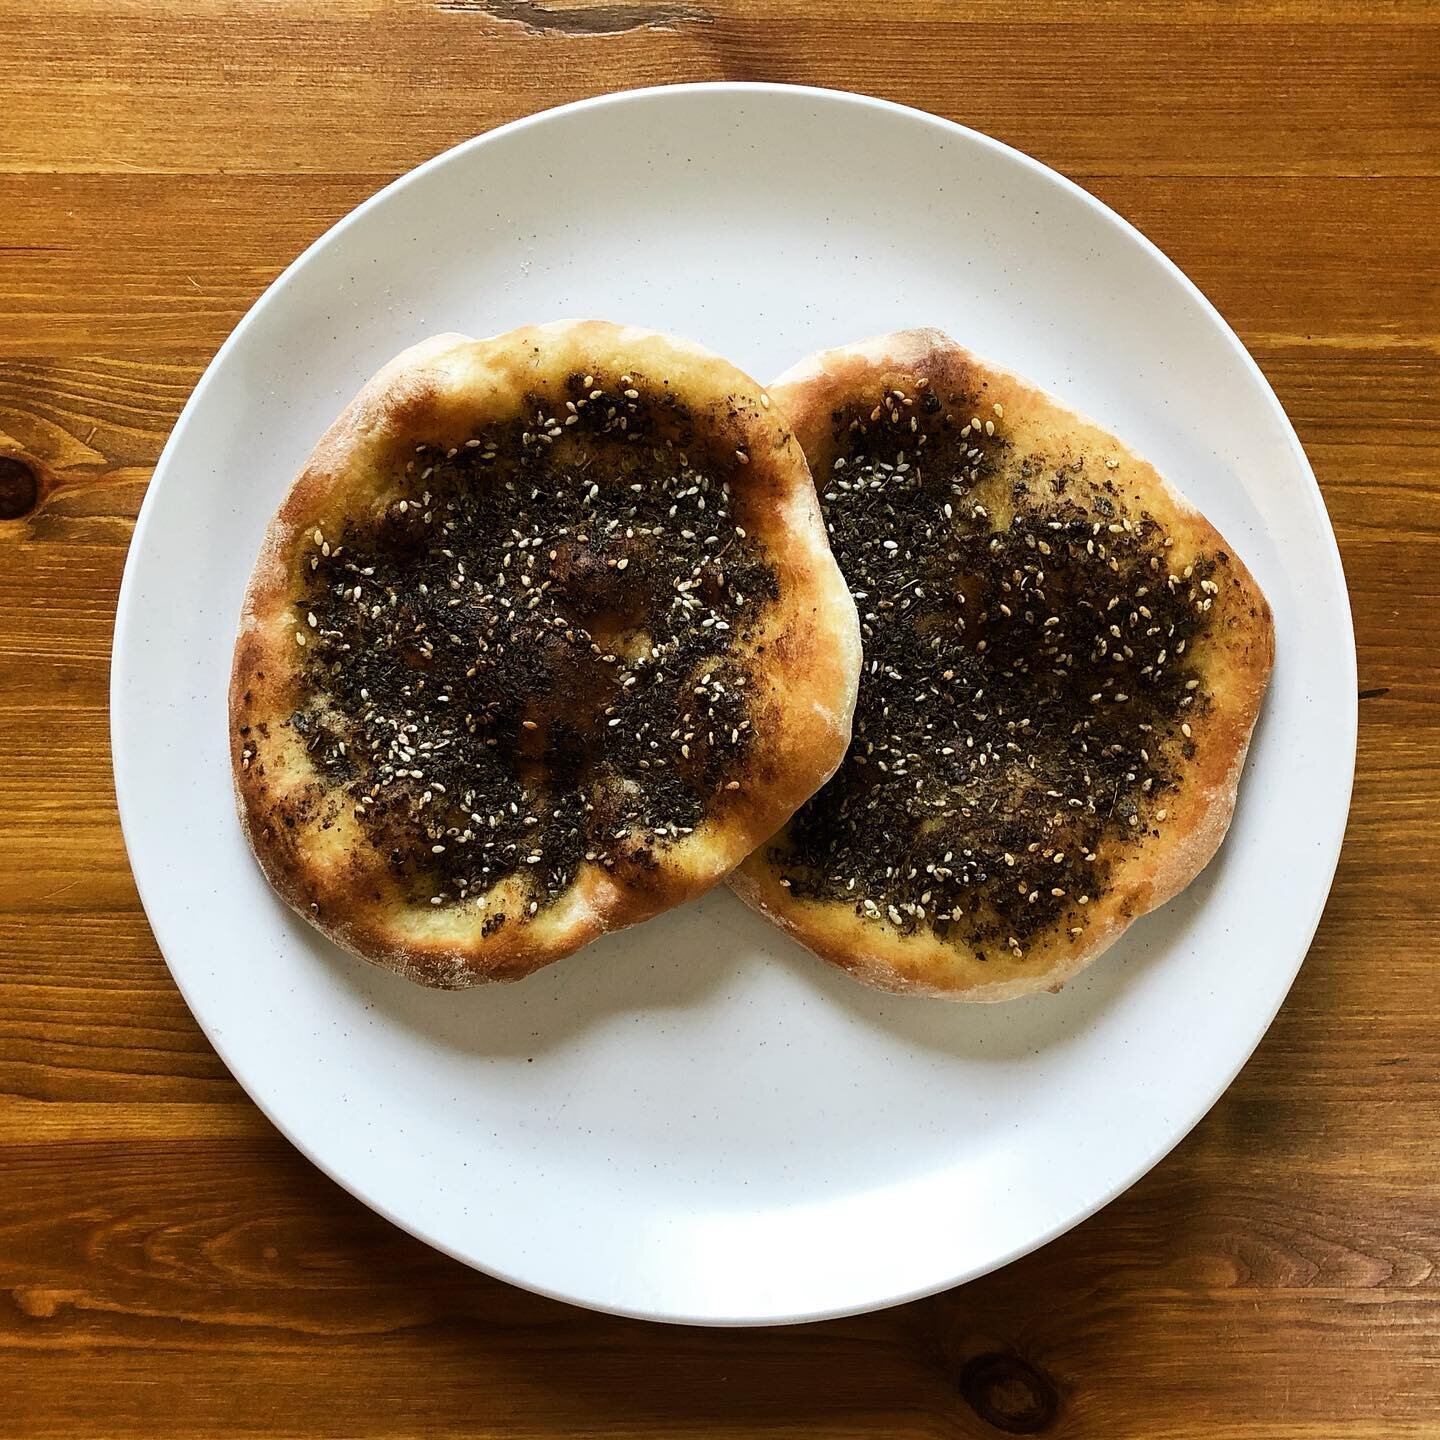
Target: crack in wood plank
(611, 19)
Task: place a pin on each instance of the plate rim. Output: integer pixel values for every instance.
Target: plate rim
(160, 477)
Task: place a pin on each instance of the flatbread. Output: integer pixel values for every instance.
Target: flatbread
(1063, 664)
(544, 639)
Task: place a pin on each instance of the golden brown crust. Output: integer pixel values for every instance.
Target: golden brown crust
(1237, 660)
(303, 830)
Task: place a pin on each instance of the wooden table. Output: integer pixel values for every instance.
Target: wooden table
(169, 1265)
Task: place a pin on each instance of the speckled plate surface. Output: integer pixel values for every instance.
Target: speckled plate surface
(695, 1120)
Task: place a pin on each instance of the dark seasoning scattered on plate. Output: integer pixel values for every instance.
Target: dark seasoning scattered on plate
(522, 662)
(1026, 679)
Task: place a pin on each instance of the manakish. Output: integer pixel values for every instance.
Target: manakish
(1063, 664)
(543, 640)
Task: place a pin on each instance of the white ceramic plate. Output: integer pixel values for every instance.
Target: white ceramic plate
(696, 1120)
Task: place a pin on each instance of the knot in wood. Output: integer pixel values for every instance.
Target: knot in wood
(1009, 1393)
(19, 488)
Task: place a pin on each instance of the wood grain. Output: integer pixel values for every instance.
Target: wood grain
(168, 1265)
